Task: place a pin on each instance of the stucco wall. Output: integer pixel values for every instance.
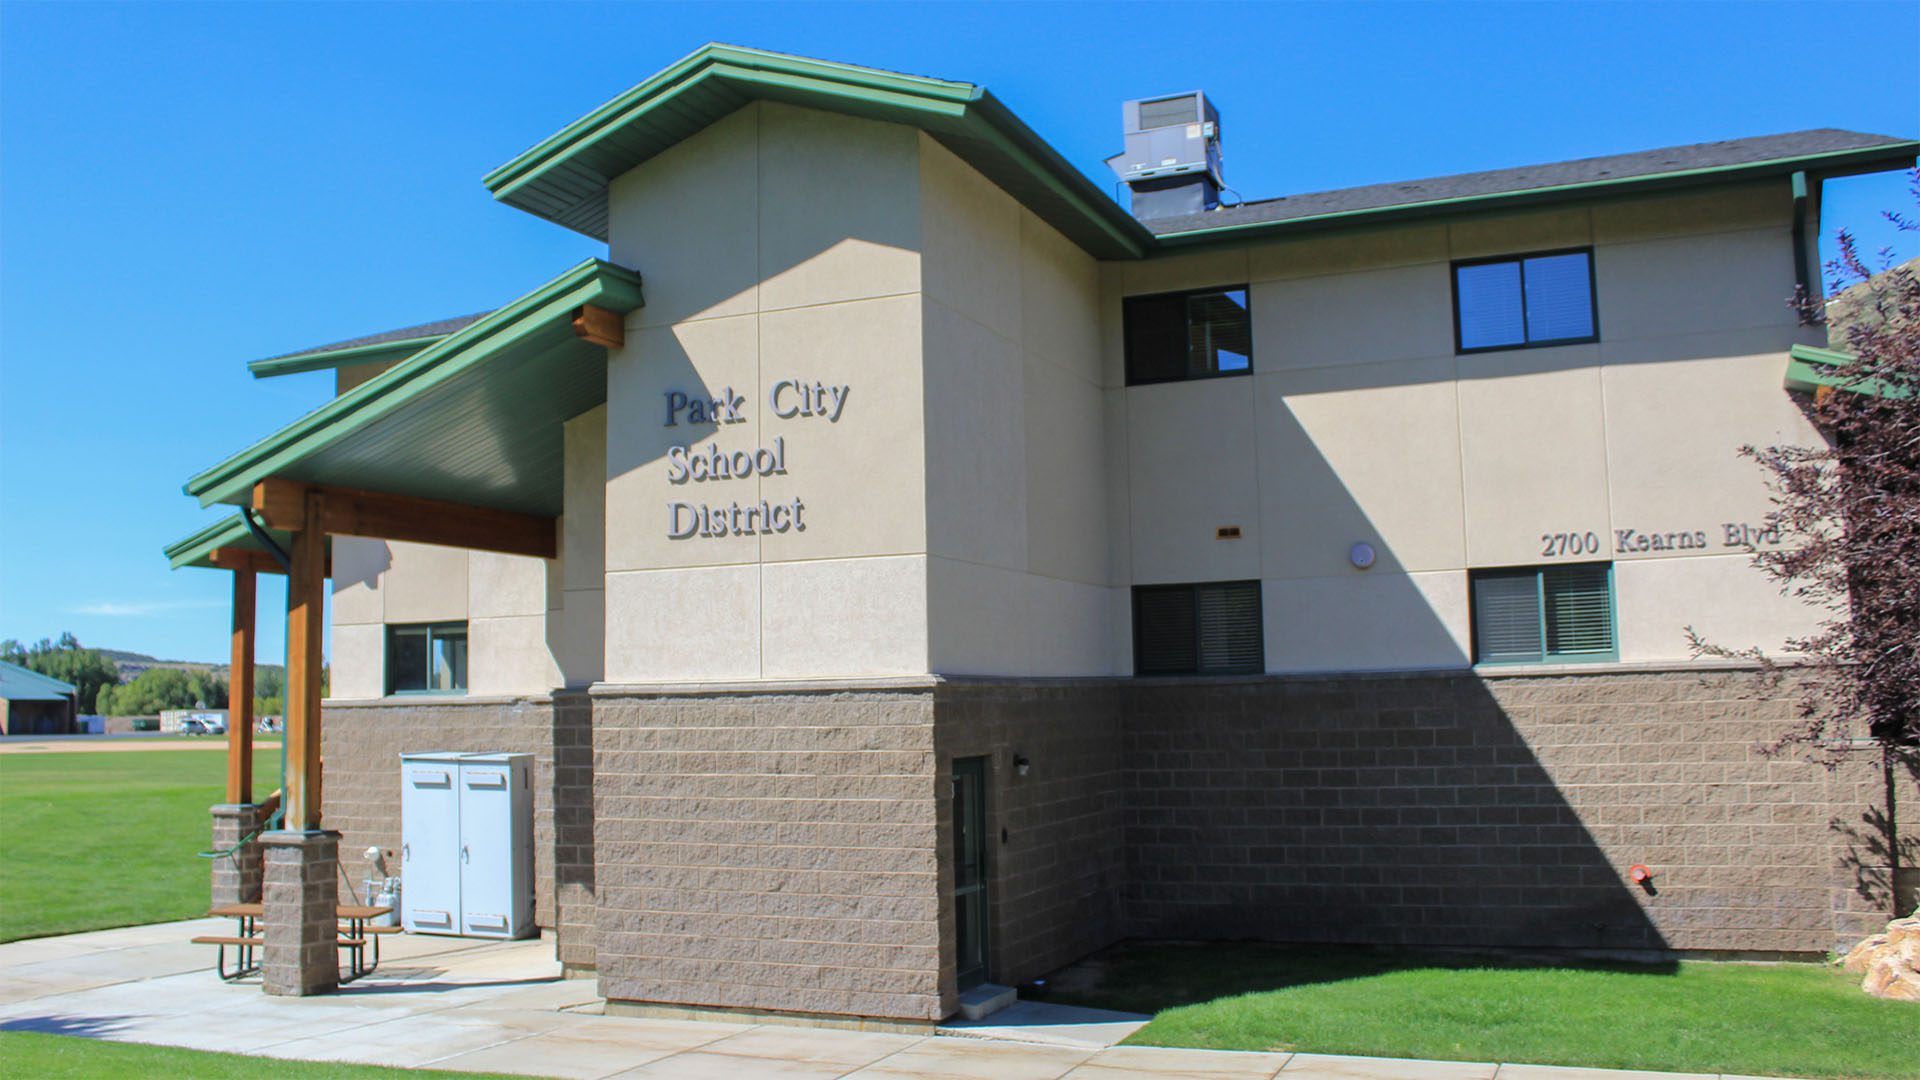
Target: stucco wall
(505, 600)
(1018, 576)
(779, 244)
(1361, 424)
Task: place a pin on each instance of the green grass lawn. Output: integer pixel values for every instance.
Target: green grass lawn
(65, 1057)
(1758, 1019)
(92, 839)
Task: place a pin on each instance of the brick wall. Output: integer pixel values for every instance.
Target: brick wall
(576, 919)
(1454, 810)
(769, 851)
(361, 744)
(1057, 873)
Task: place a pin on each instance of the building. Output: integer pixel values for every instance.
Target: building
(36, 704)
(910, 568)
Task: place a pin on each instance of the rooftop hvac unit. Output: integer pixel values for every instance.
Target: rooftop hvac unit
(1171, 162)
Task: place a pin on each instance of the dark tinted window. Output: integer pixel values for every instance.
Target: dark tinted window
(1527, 300)
(1188, 335)
(427, 658)
(1205, 629)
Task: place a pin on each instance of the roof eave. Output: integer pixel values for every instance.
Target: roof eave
(1882, 158)
(332, 359)
(591, 282)
(961, 111)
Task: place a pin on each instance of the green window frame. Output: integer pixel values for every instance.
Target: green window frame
(1193, 334)
(1206, 628)
(1544, 614)
(427, 658)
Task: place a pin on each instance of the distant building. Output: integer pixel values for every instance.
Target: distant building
(36, 704)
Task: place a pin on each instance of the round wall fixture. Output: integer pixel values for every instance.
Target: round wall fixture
(1360, 555)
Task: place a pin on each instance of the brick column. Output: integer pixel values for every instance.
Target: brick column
(300, 954)
(236, 877)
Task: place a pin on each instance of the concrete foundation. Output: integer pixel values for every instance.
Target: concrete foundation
(236, 877)
(300, 953)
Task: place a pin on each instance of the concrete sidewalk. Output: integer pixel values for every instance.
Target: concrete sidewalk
(449, 1003)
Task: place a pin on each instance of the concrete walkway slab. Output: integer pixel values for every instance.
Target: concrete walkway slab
(1055, 1025)
(463, 1004)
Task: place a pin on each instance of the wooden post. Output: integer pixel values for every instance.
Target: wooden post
(306, 588)
(240, 693)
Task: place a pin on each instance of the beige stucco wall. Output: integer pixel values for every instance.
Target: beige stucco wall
(779, 244)
(991, 488)
(1360, 424)
(503, 599)
(1018, 576)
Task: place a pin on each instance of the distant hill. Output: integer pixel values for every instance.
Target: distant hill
(132, 664)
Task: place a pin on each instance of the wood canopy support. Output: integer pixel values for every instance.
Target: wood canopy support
(240, 693)
(306, 597)
(607, 329)
(281, 503)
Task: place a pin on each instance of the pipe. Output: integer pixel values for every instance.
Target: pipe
(1808, 291)
(265, 539)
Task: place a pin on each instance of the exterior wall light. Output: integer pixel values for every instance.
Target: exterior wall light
(1020, 765)
(1360, 555)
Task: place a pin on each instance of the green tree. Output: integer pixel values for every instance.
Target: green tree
(162, 688)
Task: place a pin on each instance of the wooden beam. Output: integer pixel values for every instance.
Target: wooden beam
(607, 329)
(244, 560)
(240, 693)
(306, 593)
(379, 516)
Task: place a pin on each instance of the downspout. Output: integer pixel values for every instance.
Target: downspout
(265, 540)
(1805, 290)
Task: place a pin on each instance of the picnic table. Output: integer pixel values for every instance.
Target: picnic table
(355, 938)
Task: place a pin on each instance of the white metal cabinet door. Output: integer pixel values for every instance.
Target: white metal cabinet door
(486, 848)
(430, 848)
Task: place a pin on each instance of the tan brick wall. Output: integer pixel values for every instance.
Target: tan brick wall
(576, 920)
(1057, 872)
(769, 851)
(1454, 810)
(361, 748)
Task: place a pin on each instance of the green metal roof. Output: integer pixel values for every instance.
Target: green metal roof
(564, 179)
(228, 532)
(329, 359)
(472, 418)
(1810, 368)
(25, 684)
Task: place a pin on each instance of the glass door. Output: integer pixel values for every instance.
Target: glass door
(970, 870)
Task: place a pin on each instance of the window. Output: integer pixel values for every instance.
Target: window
(1188, 335)
(1208, 629)
(427, 658)
(1546, 613)
(1513, 303)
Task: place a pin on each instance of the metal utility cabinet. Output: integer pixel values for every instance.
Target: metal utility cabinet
(466, 856)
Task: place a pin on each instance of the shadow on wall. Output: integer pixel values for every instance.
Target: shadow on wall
(1399, 810)
(1882, 859)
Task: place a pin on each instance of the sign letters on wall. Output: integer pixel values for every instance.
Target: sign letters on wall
(788, 400)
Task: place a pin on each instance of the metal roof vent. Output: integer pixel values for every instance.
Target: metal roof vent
(1172, 160)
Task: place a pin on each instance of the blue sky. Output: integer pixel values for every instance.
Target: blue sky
(184, 188)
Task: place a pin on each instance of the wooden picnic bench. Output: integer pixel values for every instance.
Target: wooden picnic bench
(354, 938)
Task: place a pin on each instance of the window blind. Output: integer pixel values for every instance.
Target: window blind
(1543, 613)
(1204, 629)
(1506, 617)
(1579, 610)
